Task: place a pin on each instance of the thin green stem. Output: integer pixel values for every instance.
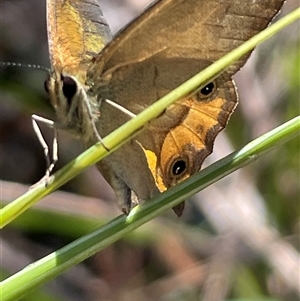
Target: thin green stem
(52, 265)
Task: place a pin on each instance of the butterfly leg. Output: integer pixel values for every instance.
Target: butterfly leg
(121, 108)
(50, 161)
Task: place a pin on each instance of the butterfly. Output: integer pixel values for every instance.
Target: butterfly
(93, 75)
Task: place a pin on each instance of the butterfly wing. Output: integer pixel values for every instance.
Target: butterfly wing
(77, 32)
(169, 43)
(200, 29)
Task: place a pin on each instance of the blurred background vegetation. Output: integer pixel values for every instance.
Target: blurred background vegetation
(237, 240)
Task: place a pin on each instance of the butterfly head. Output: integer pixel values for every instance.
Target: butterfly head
(75, 110)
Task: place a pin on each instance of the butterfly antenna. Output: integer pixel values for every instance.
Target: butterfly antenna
(31, 66)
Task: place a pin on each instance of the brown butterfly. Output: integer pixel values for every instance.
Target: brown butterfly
(166, 45)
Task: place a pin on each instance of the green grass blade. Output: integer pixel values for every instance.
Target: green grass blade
(52, 265)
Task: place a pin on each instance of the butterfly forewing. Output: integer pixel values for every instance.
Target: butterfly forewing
(77, 32)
